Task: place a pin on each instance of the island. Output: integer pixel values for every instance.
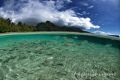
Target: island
(6, 25)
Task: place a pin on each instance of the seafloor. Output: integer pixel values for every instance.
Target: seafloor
(62, 58)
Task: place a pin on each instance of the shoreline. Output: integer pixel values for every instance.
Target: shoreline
(59, 32)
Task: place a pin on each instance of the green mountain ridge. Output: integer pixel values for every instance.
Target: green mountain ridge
(48, 26)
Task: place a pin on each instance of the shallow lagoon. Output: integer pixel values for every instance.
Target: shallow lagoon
(59, 56)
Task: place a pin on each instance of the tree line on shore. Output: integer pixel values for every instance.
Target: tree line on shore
(6, 25)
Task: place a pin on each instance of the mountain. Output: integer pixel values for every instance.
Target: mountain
(48, 26)
(6, 25)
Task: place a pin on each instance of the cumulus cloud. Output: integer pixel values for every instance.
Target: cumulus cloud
(35, 11)
(102, 33)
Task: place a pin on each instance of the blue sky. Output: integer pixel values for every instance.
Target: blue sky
(98, 16)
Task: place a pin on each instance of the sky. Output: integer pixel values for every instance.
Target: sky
(96, 16)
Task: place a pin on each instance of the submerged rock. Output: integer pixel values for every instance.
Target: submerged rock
(38, 48)
(69, 40)
(79, 44)
(50, 54)
(1, 60)
(60, 64)
(108, 45)
(66, 45)
(48, 59)
(10, 52)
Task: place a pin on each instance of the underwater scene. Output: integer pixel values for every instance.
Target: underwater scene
(57, 56)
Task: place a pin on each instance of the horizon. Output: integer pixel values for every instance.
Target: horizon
(100, 17)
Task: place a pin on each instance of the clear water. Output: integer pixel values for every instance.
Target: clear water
(58, 57)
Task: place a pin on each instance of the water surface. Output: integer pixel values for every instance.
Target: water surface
(59, 56)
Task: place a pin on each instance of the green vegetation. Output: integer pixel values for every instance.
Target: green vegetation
(7, 26)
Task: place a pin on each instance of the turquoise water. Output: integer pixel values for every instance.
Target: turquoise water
(59, 57)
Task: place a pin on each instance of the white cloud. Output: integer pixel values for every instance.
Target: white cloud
(85, 4)
(69, 1)
(90, 7)
(34, 11)
(84, 12)
(102, 33)
(79, 14)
